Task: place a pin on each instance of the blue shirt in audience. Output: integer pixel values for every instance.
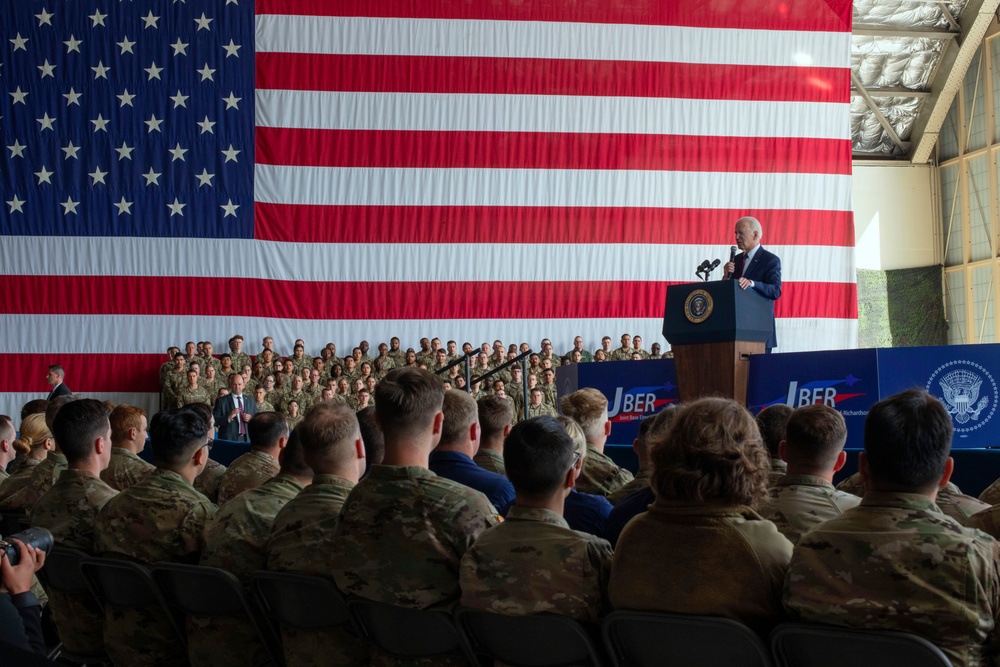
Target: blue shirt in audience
(460, 468)
(587, 512)
(631, 506)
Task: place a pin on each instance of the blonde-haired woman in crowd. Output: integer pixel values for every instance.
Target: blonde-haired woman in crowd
(32, 447)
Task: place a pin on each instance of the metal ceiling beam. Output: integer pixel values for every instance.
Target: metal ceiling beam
(879, 116)
(943, 6)
(867, 30)
(954, 64)
(893, 92)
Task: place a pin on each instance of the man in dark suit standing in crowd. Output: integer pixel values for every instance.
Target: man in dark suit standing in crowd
(755, 268)
(233, 412)
(55, 377)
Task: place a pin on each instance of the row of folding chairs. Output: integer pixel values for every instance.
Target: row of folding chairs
(625, 638)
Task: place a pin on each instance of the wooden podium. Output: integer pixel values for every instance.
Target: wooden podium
(712, 328)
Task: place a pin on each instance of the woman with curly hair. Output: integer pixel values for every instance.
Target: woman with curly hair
(702, 549)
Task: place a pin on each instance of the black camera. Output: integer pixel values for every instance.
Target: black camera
(37, 537)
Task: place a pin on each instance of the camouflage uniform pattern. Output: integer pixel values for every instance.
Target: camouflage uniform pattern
(541, 409)
(991, 496)
(300, 542)
(957, 505)
(896, 562)
(68, 510)
(3, 476)
(799, 503)
(209, 361)
(186, 396)
(125, 469)
(549, 393)
(265, 406)
(487, 459)
(161, 518)
(43, 476)
(779, 469)
(240, 359)
(852, 485)
(235, 541)
(248, 471)
(534, 563)
(207, 483)
(641, 481)
(621, 354)
(400, 538)
(601, 475)
(18, 479)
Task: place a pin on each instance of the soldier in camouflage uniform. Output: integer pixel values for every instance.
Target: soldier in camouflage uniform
(33, 447)
(537, 407)
(207, 482)
(637, 347)
(651, 430)
(192, 392)
(534, 562)
(601, 476)
(295, 393)
(212, 384)
(303, 530)
(624, 352)
(950, 499)
(45, 474)
(263, 405)
(174, 379)
(208, 360)
(268, 436)
(548, 387)
(896, 562)
(235, 541)
(68, 510)
(128, 438)
(496, 417)
(585, 356)
(814, 450)
(161, 518)
(374, 554)
(771, 422)
(397, 354)
(236, 352)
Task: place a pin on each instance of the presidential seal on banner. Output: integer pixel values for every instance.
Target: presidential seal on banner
(698, 306)
(968, 392)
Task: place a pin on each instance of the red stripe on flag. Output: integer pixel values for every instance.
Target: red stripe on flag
(811, 15)
(555, 150)
(548, 76)
(85, 373)
(538, 224)
(100, 295)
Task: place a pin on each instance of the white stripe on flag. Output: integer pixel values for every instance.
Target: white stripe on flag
(550, 113)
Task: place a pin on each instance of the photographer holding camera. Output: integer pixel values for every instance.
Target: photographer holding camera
(20, 613)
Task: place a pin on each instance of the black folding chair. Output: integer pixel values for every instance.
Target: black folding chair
(536, 640)
(406, 633)
(818, 645)
(649, 639)
(62, 574)
(208, 592)
(300, 601)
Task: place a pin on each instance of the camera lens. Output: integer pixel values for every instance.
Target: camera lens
(37, 537)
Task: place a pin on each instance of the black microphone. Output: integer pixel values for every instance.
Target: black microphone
(714, 265)
(732, 258)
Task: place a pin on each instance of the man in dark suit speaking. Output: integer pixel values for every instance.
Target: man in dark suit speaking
(755, 268)
(233, 412)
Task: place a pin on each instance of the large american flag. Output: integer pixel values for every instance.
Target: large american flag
(471, 169)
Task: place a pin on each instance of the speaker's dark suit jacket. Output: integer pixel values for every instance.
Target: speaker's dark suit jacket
(230, 430)
(59, 390)
(765, 272)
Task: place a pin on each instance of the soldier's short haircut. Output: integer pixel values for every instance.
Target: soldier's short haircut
(495, 414)
(292, 457)
(77, 425)
(123, 418)
(575, 433)
(53, 408)
(372, 437)
(265, 429)
(226, 355)
(179, 355)
(908, 439)
(328, 433)
(37, 406)
(538, 452)
(460, 412)
(714, 453)
(406, 400)
(772, 422)
(589, 408)
(815, 436)
(175, 435)
(7, 423)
